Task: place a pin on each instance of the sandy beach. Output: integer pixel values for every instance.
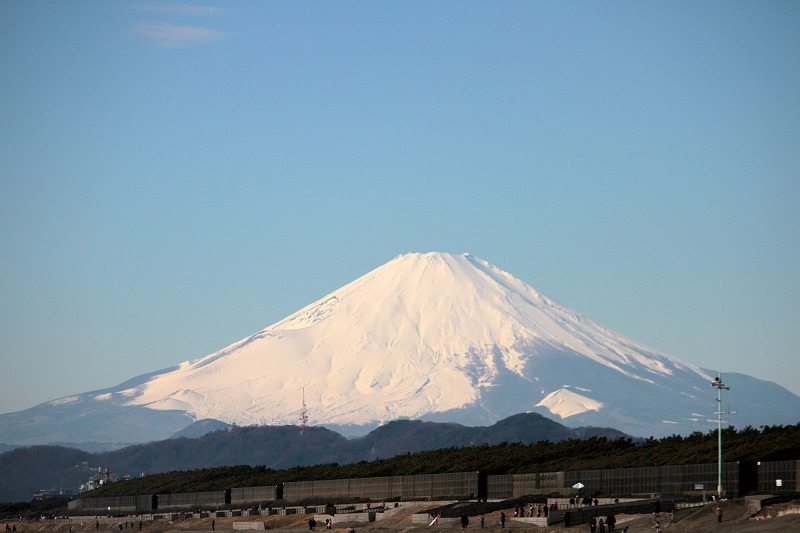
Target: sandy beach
(735, 519)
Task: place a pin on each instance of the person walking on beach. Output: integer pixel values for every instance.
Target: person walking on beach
(611, 522)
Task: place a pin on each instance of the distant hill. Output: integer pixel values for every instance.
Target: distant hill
(93, 447)
(28, 469)
(776, 443)
(402, 436)
(200, 428)
(6, 447)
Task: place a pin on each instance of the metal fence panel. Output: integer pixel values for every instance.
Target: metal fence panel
(500, 487)
(191, 499)
(379, 488)
(242, 495)
(455, 485)
(403, 487)
(295, 491)
(778, 477)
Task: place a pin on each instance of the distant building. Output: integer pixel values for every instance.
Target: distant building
(96, 480)
(45, 494)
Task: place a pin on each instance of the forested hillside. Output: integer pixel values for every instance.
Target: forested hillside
(28, 469)
(749, 444)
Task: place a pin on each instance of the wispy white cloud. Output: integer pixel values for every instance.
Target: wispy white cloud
(169, 35)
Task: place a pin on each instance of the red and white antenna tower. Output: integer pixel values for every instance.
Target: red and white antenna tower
(303, 414)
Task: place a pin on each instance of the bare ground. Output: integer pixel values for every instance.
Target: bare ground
(734, 520)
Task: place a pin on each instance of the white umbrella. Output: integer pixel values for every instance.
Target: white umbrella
(578, 485)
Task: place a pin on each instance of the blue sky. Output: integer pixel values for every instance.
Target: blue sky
(177, 176)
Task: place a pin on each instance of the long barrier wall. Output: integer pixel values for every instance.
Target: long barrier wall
(680, 480)
(432, 486)
(774, 477)
(676, 480)
(183, 500)
(121, 504)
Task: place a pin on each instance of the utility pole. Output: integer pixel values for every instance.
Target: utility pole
(719, 385)
(303, 414)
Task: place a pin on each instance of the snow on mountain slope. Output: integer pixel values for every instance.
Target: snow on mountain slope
(439, 337)
(566, 403)
(423, 333)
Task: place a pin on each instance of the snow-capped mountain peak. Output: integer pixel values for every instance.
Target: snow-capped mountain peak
(441, 337)
(422, 335)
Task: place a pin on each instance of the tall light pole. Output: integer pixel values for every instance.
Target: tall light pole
(719, 386)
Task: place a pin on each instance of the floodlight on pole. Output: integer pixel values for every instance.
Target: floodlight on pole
(719, 385)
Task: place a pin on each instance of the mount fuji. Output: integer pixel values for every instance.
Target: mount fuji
(435, 336)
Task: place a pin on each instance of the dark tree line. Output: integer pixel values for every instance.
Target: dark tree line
(770, 443)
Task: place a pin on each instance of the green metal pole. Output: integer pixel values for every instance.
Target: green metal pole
(719, 386)
(719, 443)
